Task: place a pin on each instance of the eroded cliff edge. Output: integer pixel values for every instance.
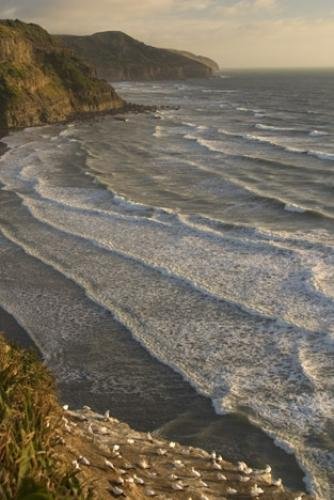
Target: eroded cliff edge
(117, 56)
(42, 82)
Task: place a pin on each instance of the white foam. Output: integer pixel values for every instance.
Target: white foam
(318, 133)
(251, 328)
(292, 207)
(322, 155)
(263, 126)
(158, 133)
(249, 110)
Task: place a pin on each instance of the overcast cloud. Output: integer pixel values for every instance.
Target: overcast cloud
(237, 33)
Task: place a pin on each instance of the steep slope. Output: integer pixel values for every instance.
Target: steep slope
(201, 59)
(117, 56)
(41, 82)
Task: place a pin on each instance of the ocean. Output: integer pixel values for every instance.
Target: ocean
(179, 265)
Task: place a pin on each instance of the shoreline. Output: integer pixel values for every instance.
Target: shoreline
(191, 428)
(88, 455)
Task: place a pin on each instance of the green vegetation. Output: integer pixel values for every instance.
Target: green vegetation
(29, 420)
(42, 82)
(117, 56)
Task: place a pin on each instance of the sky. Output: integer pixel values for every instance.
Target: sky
(236, 33)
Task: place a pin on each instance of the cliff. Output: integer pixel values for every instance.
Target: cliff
(41, 82)
(201, 59)
(117, 56)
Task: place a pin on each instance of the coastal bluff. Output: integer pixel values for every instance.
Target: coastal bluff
(42, 82)
(117, 56)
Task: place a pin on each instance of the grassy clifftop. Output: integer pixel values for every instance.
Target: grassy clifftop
(41, 82)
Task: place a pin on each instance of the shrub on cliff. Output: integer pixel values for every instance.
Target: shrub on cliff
(29, 419)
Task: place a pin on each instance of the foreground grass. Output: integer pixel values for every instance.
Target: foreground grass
(29, 421)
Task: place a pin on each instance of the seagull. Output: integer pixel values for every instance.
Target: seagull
(131, 441)
(161, 452)
(149, 436)
(143, 464)
(244, 479)
(149, 492)
(117, 491)
(221, 477)
(178, 463)
(213, 455)
(231, 491)
(83, 460)
(195, 472)
(116, 447)
(76, 465)
(128, 466)
(172, 444)
(278, 483)
(242, 467)
(152, 473)
(65, 407)
(107, 414)
(109, 464)
(256, 491)
(202, 483)
(119, 481)
(179, 486)
(138, 480)
(173, 477)
(216, 466)
(68, 428)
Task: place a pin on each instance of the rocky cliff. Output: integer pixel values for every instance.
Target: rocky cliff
(201, 59)
(41, 82)
(117, 56)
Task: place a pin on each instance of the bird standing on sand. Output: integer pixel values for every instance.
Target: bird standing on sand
(195, 473)
(256, 491)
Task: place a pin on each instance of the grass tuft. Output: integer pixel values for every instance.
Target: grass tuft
(30, 418)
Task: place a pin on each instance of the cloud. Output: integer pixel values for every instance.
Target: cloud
(243, 8)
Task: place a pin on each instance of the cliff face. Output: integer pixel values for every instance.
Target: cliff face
(117, 56)
(201, 59)
(41, 82)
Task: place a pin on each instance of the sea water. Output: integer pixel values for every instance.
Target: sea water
(208, 234)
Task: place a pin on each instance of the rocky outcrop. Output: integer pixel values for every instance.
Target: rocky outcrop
(117, 56)
(41, 82)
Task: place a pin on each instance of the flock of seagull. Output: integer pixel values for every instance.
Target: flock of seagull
(138, 465)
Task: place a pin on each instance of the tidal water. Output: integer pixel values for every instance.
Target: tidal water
(204, 233)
